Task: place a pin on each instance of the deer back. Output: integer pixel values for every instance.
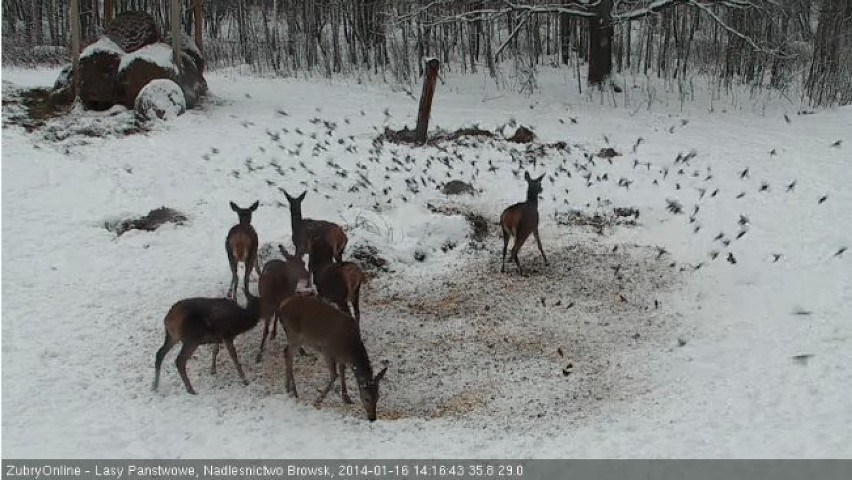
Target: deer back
(209, 320)
(339, 281)
(278, 280)
(312, 321)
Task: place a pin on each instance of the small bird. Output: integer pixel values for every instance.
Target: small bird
(764, 186)
(741, 195)
(743, 221)
(744, 173)
(823, 199)
(787, 118)
(840, 251)
(791, 186)
(837, 144)
(731, 258)
(714, 254)
(776, 257)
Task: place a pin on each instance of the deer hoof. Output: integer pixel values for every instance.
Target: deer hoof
(245, 382)
(347, 400)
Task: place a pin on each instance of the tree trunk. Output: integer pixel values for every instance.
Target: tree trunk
(426, 100)
(600, 43)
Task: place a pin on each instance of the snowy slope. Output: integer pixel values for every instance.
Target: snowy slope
(667, 358)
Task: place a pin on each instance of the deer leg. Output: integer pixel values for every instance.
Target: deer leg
(158, 361)
(332, 370)
(343, 393)
(229, 342)
(538, 242)
(257, 266)
(356, 304)
(213, 363)
(275, 319)
(263, 339)
(247, 273)
(519, 242)
(184, 355)
(505, 245)
(288, 361)
(232, 290)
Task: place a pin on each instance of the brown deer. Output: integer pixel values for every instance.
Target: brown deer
(520, 220)
(339, 283)
(310, 320)
(198, 321)
(310, 234)
(279, 280)
(241, 246)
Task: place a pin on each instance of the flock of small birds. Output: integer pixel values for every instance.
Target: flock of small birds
(387, 173)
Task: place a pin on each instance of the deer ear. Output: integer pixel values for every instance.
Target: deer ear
(286, 194)
(539, 178)
(302, 196)
(527, 176)
(380, 375)
(284, 251)
(234, 207)
(254, 205)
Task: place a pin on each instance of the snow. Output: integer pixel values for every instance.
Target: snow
(103, 44)
(159, 54)
(746, 359)
(163, 97)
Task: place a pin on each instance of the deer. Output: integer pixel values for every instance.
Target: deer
(198, 321)
(312, 321)
(241, 246)
(340, 283)
(278, 280)
(310, 234)
(520, 220)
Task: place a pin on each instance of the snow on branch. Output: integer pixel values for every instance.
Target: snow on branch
(512, 35)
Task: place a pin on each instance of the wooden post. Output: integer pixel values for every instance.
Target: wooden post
(426, 100)
(198, 16)
(107, 11)
(176, 33)
(74, 18)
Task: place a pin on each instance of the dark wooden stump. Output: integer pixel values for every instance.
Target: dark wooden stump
(426, 100)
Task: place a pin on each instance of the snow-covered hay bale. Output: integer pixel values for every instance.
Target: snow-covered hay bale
(160, 99)
(98, 66)
(132, 30)
(155, 61)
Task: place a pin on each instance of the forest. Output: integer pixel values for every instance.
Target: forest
(800, 48)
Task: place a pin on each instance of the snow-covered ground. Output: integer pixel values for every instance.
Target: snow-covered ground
(634, 342)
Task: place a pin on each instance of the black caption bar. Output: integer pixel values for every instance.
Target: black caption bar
(428, 469)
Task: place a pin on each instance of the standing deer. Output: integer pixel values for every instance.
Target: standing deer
(520, 220)
(310, 320)
(198, 321)
(241, 246)
(279, 280)
(339, 283)
(310, 235)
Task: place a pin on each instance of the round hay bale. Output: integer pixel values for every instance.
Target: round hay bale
(160, 99)
(140, 67)
(98, 66)
(132, 30)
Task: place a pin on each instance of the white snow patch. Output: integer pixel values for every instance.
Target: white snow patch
(158, 53)
(103, 44)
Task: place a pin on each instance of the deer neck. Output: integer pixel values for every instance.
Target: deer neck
(532, 199)
(361, 365)
(296, 219)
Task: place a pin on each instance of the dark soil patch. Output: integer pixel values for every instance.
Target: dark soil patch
(406, 136)
(150, 222)
(599, 221)
(39, 105)
(369, 259)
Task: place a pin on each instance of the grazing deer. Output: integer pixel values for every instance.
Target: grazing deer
(279, 280)
(339, 283)
(520, 220)
(241, 246)
(198, 321)
(310, 235)
(310, 320)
